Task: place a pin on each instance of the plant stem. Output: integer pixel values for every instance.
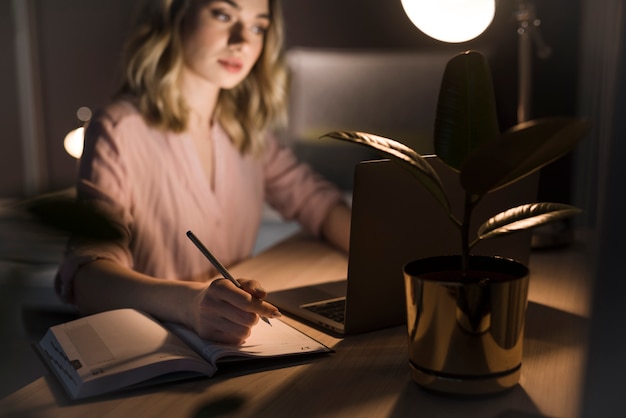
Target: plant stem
(468, 207)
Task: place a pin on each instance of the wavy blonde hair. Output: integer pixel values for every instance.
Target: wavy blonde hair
(153, 62)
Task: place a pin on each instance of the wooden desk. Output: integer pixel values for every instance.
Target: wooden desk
(368, 375)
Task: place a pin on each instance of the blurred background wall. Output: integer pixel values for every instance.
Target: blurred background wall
(63, 54)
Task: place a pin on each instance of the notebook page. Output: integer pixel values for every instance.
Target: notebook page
(265, 341)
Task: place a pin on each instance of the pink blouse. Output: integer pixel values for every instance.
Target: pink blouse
(153, 184)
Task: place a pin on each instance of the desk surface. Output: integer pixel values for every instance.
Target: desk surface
(368, 374)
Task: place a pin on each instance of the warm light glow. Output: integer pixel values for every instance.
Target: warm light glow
(73, 142)
(451, 20)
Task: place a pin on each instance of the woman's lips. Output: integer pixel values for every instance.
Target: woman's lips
(231, 65)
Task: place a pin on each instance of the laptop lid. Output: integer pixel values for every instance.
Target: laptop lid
(394, 221)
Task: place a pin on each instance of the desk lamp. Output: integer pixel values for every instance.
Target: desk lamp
(73, 142)
(456, 21)
(451, 20)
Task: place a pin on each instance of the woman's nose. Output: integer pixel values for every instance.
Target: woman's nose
(237, 35)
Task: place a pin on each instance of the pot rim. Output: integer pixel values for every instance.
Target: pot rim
(452, 264)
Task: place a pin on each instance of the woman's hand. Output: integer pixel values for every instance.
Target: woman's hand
(225, 313)
(218, 311)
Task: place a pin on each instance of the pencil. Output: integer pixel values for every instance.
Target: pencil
(219, 266)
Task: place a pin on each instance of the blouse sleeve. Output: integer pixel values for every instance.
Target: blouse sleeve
(295, 190)
(101, 183)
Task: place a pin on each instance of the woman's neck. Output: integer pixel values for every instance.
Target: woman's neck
(201, 97)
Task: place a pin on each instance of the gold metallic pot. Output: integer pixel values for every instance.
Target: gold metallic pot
(465, 333)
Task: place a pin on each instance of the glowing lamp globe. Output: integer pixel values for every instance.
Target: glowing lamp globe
(73, 142)
(451, 21)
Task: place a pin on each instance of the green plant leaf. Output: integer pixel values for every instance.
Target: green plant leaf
(522, 150)
(525, 217)
(407, 157)
(466, 114)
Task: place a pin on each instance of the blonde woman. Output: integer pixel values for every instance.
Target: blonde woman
(186, 145)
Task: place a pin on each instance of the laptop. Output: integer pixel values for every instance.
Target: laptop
(394, 221)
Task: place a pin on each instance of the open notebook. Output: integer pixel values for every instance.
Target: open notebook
(124, 348)
(395, 220)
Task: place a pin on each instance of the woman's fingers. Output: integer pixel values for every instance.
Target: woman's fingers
(226, 313)
(249, 298)
(218, 320)
(254, 288)
(224, 331)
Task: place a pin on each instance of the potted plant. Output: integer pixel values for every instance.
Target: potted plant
(465, 312)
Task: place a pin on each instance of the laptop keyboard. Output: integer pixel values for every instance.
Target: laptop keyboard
(334, 310)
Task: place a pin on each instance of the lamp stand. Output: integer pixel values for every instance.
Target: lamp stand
(557, 233)
(529, 33)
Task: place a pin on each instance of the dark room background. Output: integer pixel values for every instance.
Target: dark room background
(74, 48)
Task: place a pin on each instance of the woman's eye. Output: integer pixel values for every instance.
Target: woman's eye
(259, 29)
(220, 15)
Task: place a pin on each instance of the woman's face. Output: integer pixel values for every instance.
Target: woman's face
(226, 40)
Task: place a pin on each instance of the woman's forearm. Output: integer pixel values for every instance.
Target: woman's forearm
(104, 285)
(336, 227)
